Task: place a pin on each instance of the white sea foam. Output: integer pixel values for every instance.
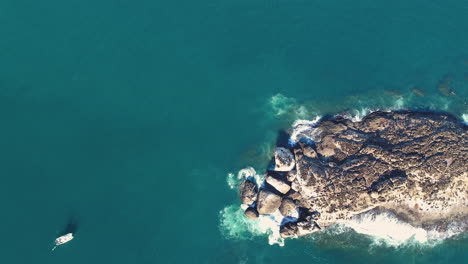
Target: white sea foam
(304, 129)
(234, 180)
(270, 225)
(465, 118)
(357, 115)
(234, 225)
(399, 104)
(386, 229)
(282, 106)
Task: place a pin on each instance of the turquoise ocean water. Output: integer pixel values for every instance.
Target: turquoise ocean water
(124, 118)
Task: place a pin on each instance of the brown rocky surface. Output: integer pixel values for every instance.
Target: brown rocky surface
(248, 192)
(412, 163)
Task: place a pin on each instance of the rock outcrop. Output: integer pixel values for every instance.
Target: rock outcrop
(284, 159)
(248, 192)
(278, 182)
(412, 163)
(268, 202)
(288, 208)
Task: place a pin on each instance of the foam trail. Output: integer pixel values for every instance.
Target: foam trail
(287, 107)
(281, 104)
(465, 118)
(387, 229)
(270, 224)
(234, 225)
(399, 104)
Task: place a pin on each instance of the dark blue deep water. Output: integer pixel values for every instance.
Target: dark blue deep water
(122, 119)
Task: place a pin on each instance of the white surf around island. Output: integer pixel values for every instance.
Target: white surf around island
(62, 240)
(384, 228)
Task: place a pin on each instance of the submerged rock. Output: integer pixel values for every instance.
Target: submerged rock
(411, 163)
(445, 85)
(268, 202)
(248, 192)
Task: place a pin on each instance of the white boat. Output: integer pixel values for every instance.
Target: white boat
(63, 239)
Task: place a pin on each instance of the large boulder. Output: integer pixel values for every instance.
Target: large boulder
(268, 202)
(248, 192)
(278, 184)
(288, 208)
(284, 159)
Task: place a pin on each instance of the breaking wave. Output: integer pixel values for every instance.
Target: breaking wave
(387, 229)
(289, 109)
(234, 180)
(234, 225)
(301, 128)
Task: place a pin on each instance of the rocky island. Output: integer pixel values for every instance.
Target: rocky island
(413, 164)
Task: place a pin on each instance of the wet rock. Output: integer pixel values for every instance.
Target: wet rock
(288, 230)
(248, 192)
(251, 213)
(268, 202)
(307, 226)
(284, 160)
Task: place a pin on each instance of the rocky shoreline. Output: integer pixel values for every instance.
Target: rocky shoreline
(411, 163)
